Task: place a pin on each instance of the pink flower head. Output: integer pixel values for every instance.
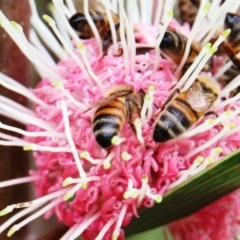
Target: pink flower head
(96, 191)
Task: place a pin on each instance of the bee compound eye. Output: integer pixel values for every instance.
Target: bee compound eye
(76, 20)
(167, 39)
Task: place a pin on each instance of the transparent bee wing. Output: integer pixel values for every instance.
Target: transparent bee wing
(198, 100)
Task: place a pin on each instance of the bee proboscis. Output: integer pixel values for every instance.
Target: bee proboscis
(184, 109)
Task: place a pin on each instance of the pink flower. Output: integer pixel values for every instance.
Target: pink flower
(93, 191)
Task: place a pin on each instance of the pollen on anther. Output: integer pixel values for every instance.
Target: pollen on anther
(67, 181)
(126, 156)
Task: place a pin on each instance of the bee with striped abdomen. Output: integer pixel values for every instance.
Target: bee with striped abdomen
(120, 105)
(98, 15)
(184, 109)
(188, 10)
(232, 45)
(173, 46)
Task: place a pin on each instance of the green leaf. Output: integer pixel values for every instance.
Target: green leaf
(204, 188)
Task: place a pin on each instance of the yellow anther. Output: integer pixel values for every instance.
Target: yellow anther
(56, 83)
(226, 32)
(67, 181)
(125, 156)
(84, 154)
(199, 159)
(28, 147)
(48, 19)
(158, 198)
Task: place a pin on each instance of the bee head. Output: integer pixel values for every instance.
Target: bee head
(76, 20)
(231, 20)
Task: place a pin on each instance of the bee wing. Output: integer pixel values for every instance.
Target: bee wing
(106, 100)
(198, 100)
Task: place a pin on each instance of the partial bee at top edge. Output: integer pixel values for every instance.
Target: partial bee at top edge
(98, 15)
(122, 104)
(231, 47)
(188, 10)
(184, 109)
(173, 46)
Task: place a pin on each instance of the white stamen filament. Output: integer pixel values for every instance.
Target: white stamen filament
(52, 24)
(210, 142)
(112, 25)
(138, 128)
(70, 231)
(15, 105)
(16, 227)
(17, 216)
(228, 101)
(38, 201)
(35, 147)
(142, 190)
(70, 140)
(217, 20)
(36, 42)
(70, 180)
(14, 86)
(45, 34)
(107, 161)
(130, 33)
(223, 69)
(60, 26)
(104, 230)
(84, 225)
(69, 96)
(156, 197)
(169, 16)
(86, 155)
(31, 134)
(121, 216)
(122, 37)
(28, 118)
(15, 34)
(202, 12)
(158, 13)
(204, 165)
(210, 123)
(92, 24)
(186, 173)
(87, 72)
(199, 58)
(71, 6)
(11, 138)
(19, 181)
(196, 72)
(73, 190)
(231, 86)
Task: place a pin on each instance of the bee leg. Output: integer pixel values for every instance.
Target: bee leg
(211, 113)
(231, 54)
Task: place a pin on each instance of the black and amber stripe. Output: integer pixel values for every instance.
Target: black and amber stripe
(176, 119)
(108, 121)
(173, 45)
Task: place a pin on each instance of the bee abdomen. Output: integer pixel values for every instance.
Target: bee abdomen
(105, 127)
(172, 122)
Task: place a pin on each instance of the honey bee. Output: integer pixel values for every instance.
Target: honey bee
(120, 105)
(173, 46)
(232, 45)
(188, 10)
(98, 15)
(184, 109)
